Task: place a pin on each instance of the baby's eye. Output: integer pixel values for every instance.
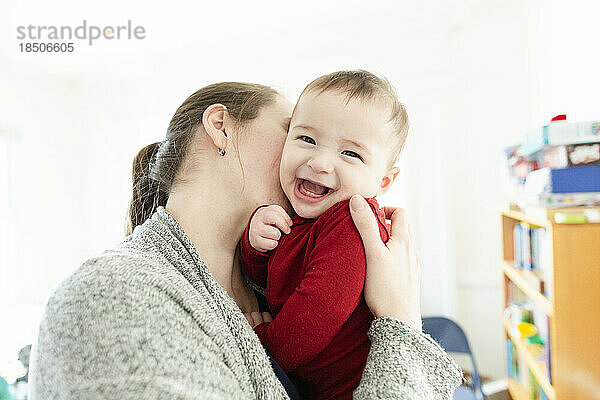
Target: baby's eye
(307, 139)
(351, 154)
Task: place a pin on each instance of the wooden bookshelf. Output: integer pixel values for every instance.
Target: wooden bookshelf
(519, 278)
(517, 391)
(574, 310)
(537, 219)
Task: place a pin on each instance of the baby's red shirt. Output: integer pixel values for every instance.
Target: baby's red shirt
(314, 280)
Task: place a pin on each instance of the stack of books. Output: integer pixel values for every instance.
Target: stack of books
(557, 165)
(532, 253)
(521, 310)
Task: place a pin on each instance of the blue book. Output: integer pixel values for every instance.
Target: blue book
(517, 245)
(576, 179)
(509, 359)
(525, 246)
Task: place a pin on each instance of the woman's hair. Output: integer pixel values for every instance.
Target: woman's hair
(155, 166)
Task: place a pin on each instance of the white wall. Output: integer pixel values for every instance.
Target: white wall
(490, 104)
(473, 74)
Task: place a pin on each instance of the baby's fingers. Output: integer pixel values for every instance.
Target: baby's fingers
(276, 216)
(280, 209)
(268, 232)
(264, 244)
(267, 317)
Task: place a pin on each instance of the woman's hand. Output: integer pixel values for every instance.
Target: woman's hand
(256, 318)
(393, 279)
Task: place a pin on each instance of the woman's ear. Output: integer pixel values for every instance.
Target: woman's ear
(213, 121)
(387, 180)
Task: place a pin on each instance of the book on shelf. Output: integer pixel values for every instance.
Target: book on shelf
(542, 324)
(561, 200)
(528, 324)
(561, 132)
(556, 166)
(517, 370)
(571, 155)
(531, 253)
(535, 390)
(565, 180)
(512, 368)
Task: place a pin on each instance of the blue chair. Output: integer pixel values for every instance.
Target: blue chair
(453, 339)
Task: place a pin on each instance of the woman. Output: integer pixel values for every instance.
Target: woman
(162, 315)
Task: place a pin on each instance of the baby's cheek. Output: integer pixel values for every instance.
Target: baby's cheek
(364, 185)
(284, 163)
(356, 182)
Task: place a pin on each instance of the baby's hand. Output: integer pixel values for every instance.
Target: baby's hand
(255, 318)
(266, 226)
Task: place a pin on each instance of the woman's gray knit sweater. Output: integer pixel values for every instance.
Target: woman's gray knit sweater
(147, 320)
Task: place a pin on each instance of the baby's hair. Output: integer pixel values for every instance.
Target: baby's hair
(366, 86)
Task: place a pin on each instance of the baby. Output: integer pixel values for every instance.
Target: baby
(346, 132)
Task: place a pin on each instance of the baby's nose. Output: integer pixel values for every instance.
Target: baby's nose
(320, 164)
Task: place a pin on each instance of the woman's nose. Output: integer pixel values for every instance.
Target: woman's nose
(320, 164)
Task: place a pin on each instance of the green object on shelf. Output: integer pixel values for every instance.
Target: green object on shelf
(534, 339)
(570, 218)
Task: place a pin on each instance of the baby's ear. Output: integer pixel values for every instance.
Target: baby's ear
(387, 180)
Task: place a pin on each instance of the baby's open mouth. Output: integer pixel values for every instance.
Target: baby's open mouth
(310, 191)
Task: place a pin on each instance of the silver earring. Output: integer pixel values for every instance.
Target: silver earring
(221, 151)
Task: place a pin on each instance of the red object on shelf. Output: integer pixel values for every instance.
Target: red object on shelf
(560, 117)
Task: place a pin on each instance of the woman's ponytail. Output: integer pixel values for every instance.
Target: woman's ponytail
(147, 192)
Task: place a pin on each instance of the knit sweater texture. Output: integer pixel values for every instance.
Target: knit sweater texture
(147, 320)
